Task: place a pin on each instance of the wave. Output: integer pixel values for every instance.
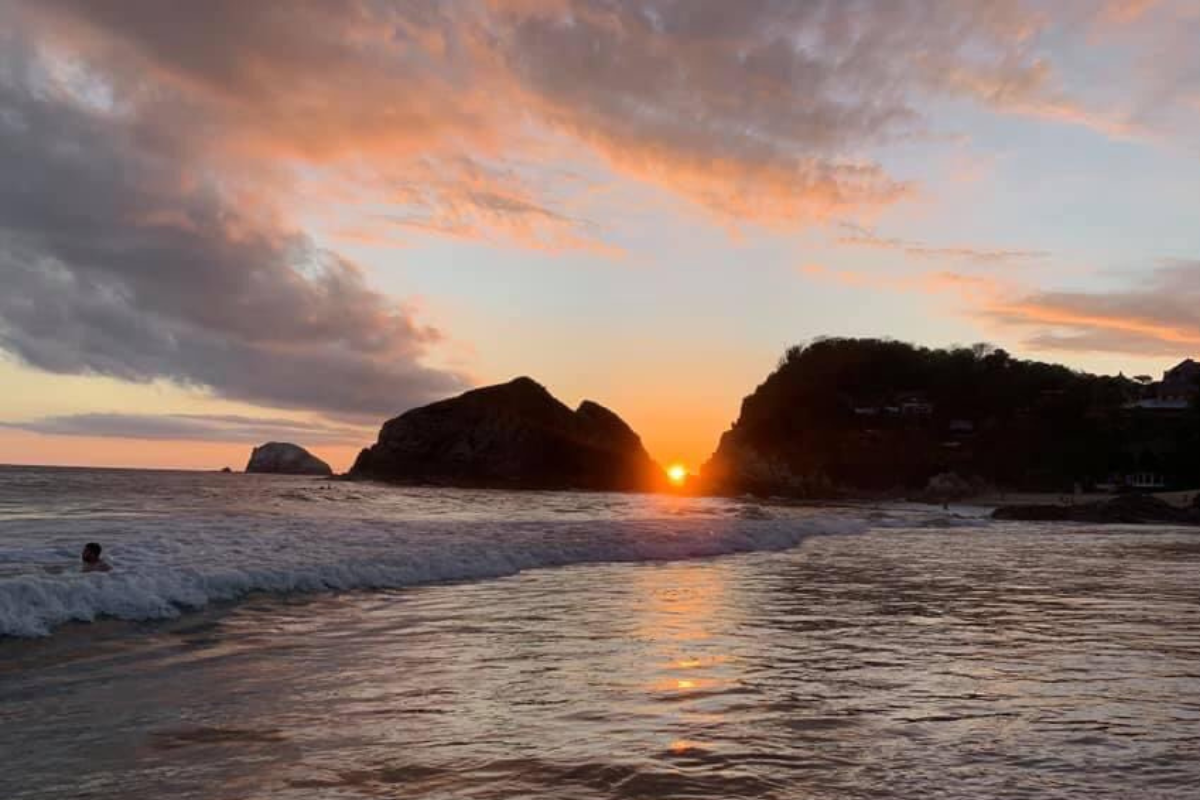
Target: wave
(162, 573)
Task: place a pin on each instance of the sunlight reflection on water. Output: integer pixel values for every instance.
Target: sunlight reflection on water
(902, 663)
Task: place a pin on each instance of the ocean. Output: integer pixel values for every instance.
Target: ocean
(277, 637)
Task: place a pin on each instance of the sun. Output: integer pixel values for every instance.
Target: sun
(677, 474)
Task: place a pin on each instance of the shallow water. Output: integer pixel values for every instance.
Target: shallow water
(930, 656)
(184, 540)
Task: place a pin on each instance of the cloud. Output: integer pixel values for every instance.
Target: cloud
(1159, 316)
(191, 427)
(717, 104)
(340, 102)
(860, 236)
(156, 156)
(1136, 63)
(757, 111)
(121, 257)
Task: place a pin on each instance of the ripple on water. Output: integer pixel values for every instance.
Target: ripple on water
(906, 663)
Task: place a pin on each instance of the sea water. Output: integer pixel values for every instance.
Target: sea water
(270, 637)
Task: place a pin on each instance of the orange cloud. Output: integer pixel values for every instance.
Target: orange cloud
(1160, 314)
(758, 112)
(1043, 312)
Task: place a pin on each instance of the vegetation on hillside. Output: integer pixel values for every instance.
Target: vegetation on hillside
(879, 415)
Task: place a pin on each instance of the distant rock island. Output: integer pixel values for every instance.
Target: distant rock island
(859, 417)
(513, 435)
(285, 458)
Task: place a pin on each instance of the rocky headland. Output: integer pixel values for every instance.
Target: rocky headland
(514, 435)
(859, 418)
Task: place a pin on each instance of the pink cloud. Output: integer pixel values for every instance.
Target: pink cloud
(1157, 315)
(756, 112)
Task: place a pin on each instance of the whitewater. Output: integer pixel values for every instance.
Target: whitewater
(286, 638)
(179, 541)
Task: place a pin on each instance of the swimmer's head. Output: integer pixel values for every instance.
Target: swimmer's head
(91, 553)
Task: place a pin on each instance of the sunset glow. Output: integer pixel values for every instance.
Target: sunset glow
(606, 398)
(504, 207)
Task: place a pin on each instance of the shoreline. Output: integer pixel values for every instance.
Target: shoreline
(1178, 499)
(1181, 499)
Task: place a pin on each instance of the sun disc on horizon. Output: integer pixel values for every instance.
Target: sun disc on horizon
(677, 474)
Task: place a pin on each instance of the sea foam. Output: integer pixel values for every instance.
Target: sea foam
(164, 567)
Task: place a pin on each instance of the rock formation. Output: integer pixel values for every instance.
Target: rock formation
(873, 417)
(513, 435)
(1133, 509)
(284, 458)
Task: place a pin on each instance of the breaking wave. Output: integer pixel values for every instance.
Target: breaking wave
(164, 567)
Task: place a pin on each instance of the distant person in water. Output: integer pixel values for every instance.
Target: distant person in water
(92, 562)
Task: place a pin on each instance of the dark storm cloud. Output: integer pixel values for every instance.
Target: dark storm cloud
(119, 258)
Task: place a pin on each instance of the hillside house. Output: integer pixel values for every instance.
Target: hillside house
(914, 405)
(1175, 392)
(1180, 383)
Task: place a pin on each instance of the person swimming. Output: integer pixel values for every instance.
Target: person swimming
(92, 562)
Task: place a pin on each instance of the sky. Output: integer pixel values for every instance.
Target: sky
(224, 223)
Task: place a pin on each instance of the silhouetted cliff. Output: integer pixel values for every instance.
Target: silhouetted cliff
(514, 435)
(850, 415)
